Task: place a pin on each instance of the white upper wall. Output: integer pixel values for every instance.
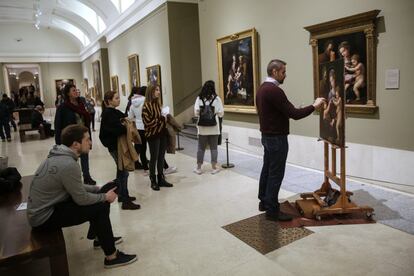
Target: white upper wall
(34, 42)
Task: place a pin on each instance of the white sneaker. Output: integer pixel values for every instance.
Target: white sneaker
(170, 170)
(214, 171)
(197, 171)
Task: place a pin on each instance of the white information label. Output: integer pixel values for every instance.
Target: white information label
(392, 79)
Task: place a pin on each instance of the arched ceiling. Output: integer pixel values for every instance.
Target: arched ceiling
(83, 19)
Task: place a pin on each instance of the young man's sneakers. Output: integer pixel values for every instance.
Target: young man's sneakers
(120, 260)
(97, 244)
(170, 170)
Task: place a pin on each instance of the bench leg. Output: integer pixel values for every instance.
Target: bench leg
(59, 264)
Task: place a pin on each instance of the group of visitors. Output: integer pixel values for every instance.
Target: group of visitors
(58, 198)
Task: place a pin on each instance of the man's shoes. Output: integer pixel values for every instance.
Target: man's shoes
(170, 170)
(120, 260)
(3, 140)
(284, 217)
(8, 139)
(262, 206)
(278, 216)
(97, 244)
(89, 181)
(130, 206)
(130, 198)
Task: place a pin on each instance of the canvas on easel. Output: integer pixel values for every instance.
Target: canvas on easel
(332, 119)
(327, 200)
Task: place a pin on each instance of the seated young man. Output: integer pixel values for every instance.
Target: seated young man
(58, 198)
(37, 120)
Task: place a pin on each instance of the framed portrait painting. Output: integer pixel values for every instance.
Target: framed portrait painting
(133, 69)
(114, 83)
(331, 87)
(238, 73)
(96, 69)
(154, 76)
(60, 84)
(353, 40)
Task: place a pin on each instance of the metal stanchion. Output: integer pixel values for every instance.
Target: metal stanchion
(178, 142)
(227, 165)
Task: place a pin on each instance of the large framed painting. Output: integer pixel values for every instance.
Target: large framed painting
(114, 84)
(353, 40)
(60, 84)
(133, 69)
(331, 87)
(238, 73)
(96, 70)
(154, 76)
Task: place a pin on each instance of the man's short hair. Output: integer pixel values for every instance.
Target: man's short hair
(73, 133)
(274, 64)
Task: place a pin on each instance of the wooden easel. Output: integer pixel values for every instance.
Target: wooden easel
(313, 206)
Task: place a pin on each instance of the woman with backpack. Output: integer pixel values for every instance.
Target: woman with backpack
(208, 108)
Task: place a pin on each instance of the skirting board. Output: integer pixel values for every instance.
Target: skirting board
(365, 161)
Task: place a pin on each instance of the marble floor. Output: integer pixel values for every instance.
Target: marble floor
(179, 231)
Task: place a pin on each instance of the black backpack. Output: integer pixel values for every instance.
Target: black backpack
(207, 114)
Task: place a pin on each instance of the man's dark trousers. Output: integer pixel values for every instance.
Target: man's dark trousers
(68, 213)
(276, 149)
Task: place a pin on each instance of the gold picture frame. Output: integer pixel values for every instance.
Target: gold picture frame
(154, 76)
(96, 70)
(115, 83)
(238, 71)
(354, 39)
(133, 70)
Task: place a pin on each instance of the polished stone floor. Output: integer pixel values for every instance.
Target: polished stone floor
(179, 230)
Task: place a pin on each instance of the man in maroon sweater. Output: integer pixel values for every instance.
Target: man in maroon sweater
(275, 110)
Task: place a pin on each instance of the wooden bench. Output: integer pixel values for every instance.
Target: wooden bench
(19, 244)
(28, 127)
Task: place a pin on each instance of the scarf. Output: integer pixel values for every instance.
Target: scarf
(81, 110)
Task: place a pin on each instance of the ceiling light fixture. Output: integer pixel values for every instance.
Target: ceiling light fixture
(37, 14)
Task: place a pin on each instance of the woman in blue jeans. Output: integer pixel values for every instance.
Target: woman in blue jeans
(111, 129)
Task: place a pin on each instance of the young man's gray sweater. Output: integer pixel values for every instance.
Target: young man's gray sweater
(57, 179)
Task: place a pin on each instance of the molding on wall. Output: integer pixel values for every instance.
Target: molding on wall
(365, 161)
(38, 57)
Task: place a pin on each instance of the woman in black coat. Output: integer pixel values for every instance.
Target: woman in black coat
(111, 129)
(71, 112)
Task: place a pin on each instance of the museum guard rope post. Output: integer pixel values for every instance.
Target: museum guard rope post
(227, 165)
(178, 142)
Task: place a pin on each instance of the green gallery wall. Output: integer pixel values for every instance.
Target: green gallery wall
(281, 34)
